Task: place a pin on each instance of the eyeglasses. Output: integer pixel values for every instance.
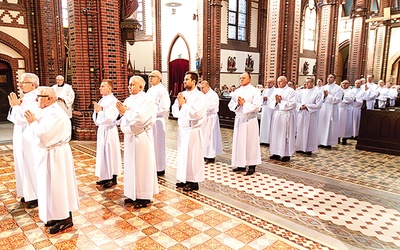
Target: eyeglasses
(152, 76)
(42, 96)
(26, 83)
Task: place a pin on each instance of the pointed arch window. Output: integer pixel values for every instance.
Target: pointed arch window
(237, 20)
(309, 26)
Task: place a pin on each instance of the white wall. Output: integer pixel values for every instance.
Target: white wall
(18, 33)
(141, 55)
(4, 49)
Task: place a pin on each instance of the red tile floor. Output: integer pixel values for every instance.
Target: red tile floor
(336, 199)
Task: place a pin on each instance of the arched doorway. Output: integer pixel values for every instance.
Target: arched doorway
(179, 58)
(343, 58)
(6, 87)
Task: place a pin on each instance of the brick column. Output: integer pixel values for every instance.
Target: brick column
(327, 46)
(47, 39)
(96, 53)
(211, 57)
(357, 50)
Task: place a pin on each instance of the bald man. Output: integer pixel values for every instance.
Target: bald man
(137, 117)
(159, 94)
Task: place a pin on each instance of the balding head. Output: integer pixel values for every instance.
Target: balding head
(155, 77)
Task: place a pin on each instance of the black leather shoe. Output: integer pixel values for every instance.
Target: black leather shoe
(275, 157)
(32, 204)
(285, 159)
(161, 173)
(61, 226)
(109, 184)
(102, 182)
(209, 160)
(23, 199)
(180, 184)
(300, 152)
(308, 153)
(129, 200)
(191, 186)
(50, 223)
(239, 169)
(251, 170)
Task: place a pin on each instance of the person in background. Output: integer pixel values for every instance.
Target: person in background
(212, 143)
(57, 189)
(266, 112)
(309, 101)
(137, 116)
(245, 102)
(345, 108)
(283, 126)
(159, 94)
(328, 121)
(65, 95)
(108, 151)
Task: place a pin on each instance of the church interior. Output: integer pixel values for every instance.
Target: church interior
(346, 197)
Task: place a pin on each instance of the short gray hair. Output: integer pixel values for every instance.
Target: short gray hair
(31, 76)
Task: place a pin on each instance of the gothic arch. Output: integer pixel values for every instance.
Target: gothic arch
(174, 40)
(16, 45)
(393, 68)
(14, 67)
(343, 58)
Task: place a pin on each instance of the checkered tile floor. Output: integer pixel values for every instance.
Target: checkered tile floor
(336, 199)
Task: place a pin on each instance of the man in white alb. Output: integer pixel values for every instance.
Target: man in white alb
(266, 112)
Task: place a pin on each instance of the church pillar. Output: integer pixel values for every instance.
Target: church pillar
(358, 48)
(327, 50)
(47, 50)
(291, 41)
(157, 55)
(96, 53)
(211, 58)
(274, 39)
(262, 41)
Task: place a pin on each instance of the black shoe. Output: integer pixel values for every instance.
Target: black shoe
(239, 169)
(251, 170)
(191, 186)
(180, 184)
(102, 182)
(209, 160)
(285, 159)
(327, 147)
(275, 157)
(32, 204)
(23, 199)
(51, 223)
(300, 152)
(61, 226)
(308, 153)
(129, 200)
(344, 141)
(110, 184)
(141, 203)
(161, 173)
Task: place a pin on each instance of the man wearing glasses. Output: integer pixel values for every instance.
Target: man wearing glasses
(23, 150)
(160, 95)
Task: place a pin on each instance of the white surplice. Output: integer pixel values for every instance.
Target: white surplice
(57, 189)
(371, 94)
(67, 93)
(191, 115)
(212, 143)
(307, 119)
(23, 150)
(345, 109)
(140, 176)
(329, 115)
(282, 124)
(160, 95)
(359, 97)
(246, 139)
(108, 150)
(266, 117)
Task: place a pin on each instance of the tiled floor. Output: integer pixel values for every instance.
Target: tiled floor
(336, 199)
